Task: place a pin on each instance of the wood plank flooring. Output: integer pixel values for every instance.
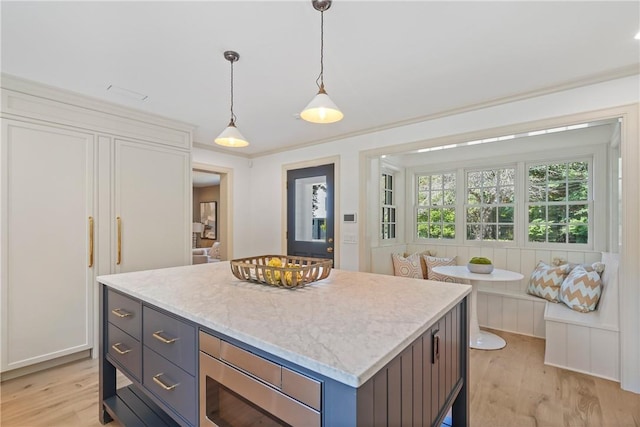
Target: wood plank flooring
(509, 387)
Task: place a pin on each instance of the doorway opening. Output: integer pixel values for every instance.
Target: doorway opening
(212, 210)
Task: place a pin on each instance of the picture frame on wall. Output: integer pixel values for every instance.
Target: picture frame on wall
(209, 217)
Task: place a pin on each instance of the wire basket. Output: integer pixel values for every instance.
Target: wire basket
(285, 271)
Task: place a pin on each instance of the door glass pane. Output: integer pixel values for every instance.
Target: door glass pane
(311, 209)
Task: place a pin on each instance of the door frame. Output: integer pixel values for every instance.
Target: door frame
(225, 224)
(336, 201)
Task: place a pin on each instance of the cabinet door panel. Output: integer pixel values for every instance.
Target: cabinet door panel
(47, 285)
(152, 200)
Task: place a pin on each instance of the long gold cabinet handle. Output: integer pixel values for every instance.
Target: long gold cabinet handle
(90, 241)
(157, 380)
(120, 313)
(158, 335)
(119, 225)
(116, 347)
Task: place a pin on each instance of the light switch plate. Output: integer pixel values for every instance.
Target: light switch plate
(349, 238)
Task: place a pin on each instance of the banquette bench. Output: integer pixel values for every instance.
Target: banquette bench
(583, 342)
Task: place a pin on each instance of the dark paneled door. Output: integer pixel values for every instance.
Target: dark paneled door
(310, 212)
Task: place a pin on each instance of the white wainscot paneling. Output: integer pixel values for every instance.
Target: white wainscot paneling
(538, 319)
(482, 309)
(494, 310)
(578, 345)
(605, 354)
(509, 314)
(525, 314)
(592, 351)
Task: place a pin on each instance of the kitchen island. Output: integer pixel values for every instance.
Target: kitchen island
(355, 349)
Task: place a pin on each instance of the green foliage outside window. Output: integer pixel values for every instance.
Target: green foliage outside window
(558, 209)
(490, 211)
(436, 213)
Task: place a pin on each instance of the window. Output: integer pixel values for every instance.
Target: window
(490, 204)
(558, 202)
(436, 207)
(387, 199)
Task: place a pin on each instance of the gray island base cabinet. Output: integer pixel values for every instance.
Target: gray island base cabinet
(172, 358)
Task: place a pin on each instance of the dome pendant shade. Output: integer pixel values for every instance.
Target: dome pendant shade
(321, 109)
(231, 137)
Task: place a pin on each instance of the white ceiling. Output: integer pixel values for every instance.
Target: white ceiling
(385, 62)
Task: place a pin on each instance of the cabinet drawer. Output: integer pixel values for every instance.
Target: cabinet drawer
(125, 350)
(125, 313)
(302, 388)
(173, 339)
(255, 365)
(170, 384)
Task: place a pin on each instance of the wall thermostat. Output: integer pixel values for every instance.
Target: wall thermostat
(352, 217)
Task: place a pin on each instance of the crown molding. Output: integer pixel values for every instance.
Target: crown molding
(215, 148)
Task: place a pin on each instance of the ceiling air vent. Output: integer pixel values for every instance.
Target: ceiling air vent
(126, 93)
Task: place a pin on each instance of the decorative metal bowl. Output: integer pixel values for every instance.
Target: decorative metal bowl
(480, 268)
(292, 271)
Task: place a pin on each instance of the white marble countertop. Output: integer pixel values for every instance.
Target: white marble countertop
(345, 327)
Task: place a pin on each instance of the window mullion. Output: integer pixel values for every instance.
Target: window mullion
(522, 204)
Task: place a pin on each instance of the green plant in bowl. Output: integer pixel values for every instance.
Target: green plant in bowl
(480, 260)
(480, 265)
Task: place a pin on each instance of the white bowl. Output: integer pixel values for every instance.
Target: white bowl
(480, 268)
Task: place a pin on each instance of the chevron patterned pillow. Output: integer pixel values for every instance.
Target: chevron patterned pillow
(546, 280)
(581, 290)
(407, 267)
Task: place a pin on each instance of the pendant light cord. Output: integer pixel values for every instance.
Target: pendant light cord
(321, 76)
(233, 116)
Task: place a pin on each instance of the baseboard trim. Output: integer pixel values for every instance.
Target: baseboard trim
(26, 370)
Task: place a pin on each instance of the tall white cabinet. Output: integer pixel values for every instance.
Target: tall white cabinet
(87, 189)
(147, 181)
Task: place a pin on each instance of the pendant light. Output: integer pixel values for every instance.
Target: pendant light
(321, 109)
(231, 136)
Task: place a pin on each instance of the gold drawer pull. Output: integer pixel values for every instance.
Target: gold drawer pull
(159, 337)
(156, 379)
(116, 347)
(120, 313)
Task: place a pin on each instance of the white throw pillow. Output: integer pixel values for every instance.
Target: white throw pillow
(214, 252)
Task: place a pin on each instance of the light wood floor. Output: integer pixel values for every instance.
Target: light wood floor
(509, 387)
